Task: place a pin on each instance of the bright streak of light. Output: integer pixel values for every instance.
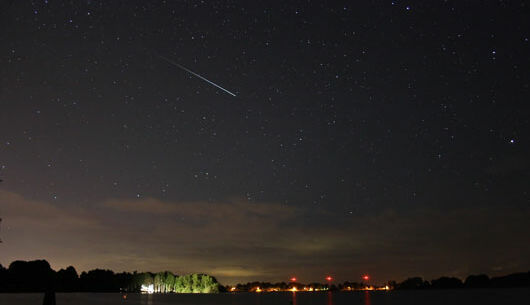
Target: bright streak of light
(195, 74)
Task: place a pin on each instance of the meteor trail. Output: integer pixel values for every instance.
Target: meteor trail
(195, 74)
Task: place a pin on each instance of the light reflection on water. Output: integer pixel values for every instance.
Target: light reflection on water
(148, 299)
(367, 298)
(294, 298)
(419, 297)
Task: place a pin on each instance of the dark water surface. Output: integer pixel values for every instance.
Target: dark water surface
(464, 297)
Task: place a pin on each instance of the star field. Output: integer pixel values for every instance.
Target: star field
(348, 117)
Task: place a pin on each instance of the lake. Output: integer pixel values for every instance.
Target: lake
(454, 297)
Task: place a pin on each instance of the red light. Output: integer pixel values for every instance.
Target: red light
(329, 278)
(293, 279)
(366, 277)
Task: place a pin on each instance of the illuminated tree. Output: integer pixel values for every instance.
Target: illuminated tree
(196, 283)
(169, 282)
(159, 282)
(144, 278)
(183, 284)
(209, 284)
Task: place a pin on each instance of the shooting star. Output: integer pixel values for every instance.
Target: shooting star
(194, 74)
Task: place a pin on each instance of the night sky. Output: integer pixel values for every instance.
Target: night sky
(382, 137)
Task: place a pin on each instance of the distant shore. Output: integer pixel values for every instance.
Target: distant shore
(521, 279)
(37, 276)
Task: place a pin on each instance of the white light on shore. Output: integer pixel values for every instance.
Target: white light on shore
(147, 289)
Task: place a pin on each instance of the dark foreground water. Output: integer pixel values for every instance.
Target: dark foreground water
(455, 297)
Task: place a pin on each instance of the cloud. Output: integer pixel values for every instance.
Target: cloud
(237, 240)
(238, 207)
(17, 210)
(144, 234)
(237, 272)
(150, 206)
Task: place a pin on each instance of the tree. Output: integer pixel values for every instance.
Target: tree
(209, 284)
(37, 276)
(3, 278)
(98, 280)
(520, 279)
(33, 276)
(477, 281)
(125, 281)
(169, 282)
(196, 283)
(183, 284)
(187, 284)
(158, 281)
(144, 278)
(446, 283)
(67, 280)
(413, 283)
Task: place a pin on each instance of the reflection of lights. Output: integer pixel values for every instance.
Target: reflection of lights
(386, 287)
(147, 289)
(369, 288)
